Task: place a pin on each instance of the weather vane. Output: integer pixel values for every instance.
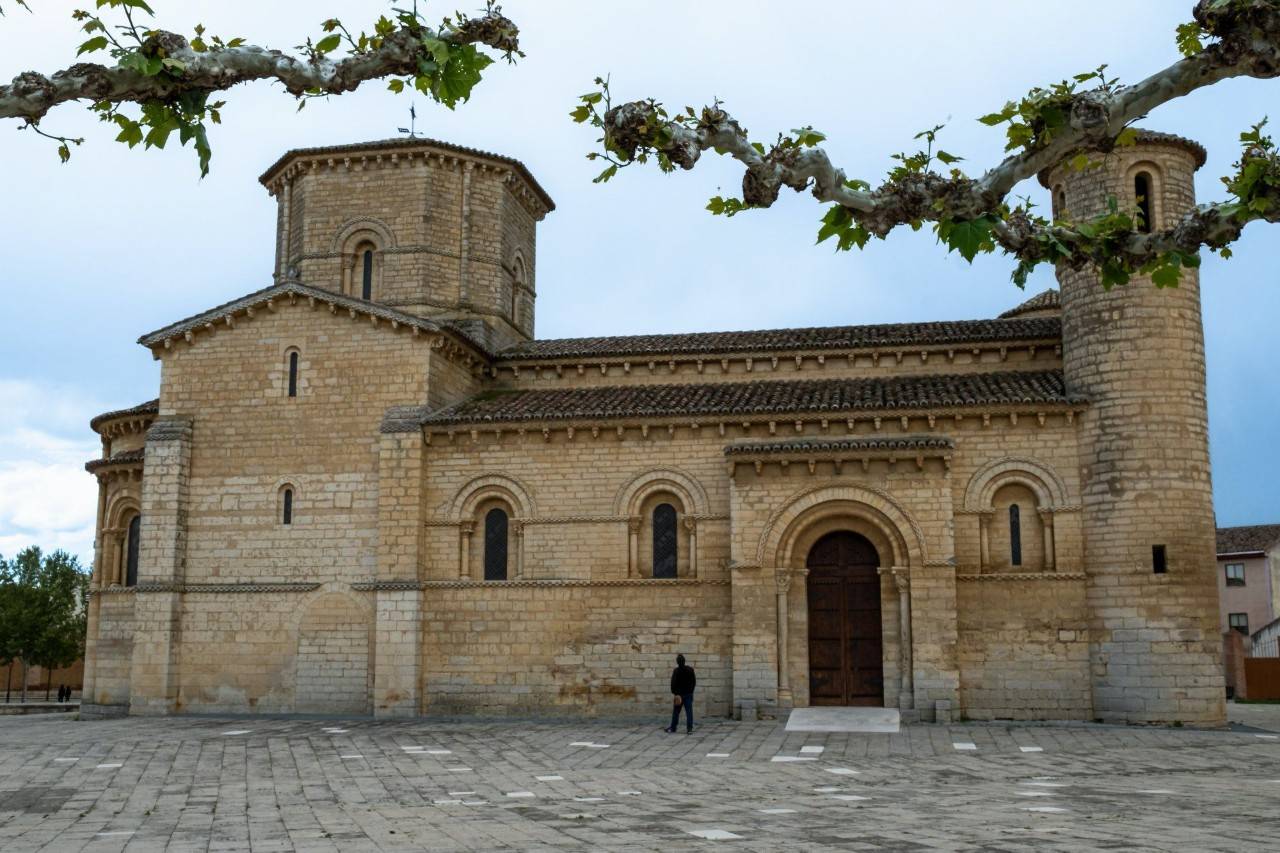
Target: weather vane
(413, 120)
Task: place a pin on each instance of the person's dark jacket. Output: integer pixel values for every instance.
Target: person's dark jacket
(683, 680)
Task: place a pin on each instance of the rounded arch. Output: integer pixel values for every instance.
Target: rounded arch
(1049, 489)
(631, 497)
(813, 513)
(488, 487)
(1155, 200)
(334, 632)
(353, 231)
(121, 509)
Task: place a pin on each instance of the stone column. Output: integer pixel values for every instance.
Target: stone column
(906, 692)
(154, 681)
(782, 580)
(984, 538)
(1046, 521)
(633, 546)
(465, 529)
(517, 535)
(692, 526)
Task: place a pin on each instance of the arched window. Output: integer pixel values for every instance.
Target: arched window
(366, 274)
(131, 551)
(517, 286)
(1142, 194)
(664, 541)
(495, 545)
(286, 505)
(293, 373)
(1015, 536)
(1059, 203)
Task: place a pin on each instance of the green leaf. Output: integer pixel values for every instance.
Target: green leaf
(64, 153)
(1166, 275)
(396, 86)
(967, 237)
(948, 158)
(328, 43)
(1127, 137)
(605, 175)
(95, 43)
(580, 113)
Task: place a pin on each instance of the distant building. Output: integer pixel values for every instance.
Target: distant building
(1249, 576)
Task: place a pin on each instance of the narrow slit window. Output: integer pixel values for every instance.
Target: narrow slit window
(286, 507)
(1159, 560)
(495, 545)
(366, 275)
(131, 558)
(293, 374)
(1142, 194)
(1015, 536)
(1060, 209)
(665, 545)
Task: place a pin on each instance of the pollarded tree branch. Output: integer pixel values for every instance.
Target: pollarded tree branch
(1045, 128)
(32, 95)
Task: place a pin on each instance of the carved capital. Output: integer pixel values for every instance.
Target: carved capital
(901, 576)
(466, 528)
(690, 524)
(633, 523)
(782, 579)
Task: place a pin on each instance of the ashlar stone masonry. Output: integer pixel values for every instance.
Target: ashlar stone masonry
(369, 489)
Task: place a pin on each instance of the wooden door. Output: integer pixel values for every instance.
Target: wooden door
(845, 649)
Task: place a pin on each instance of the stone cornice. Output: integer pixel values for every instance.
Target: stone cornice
(764, 362)
(451, 342)
(1023, 576)
(126, 461)
(550, 583)
(219, 588)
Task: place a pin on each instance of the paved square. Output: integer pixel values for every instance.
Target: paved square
(185, 784)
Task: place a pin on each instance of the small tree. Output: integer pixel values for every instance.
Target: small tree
(42, 610)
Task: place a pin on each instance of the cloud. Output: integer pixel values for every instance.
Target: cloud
(46, 497)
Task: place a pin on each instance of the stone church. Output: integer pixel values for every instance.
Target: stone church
(371, 489)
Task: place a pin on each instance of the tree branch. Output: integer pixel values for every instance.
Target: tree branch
(1046, 128)
(32, 95)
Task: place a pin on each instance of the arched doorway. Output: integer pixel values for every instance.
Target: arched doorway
(846, 665)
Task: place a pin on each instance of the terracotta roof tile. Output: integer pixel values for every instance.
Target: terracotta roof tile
(760, 398)
(773, 340)
(405, 143)
(1047, 300)
(1255, 538)
(151, 407)
(128, 457)
(836, 445)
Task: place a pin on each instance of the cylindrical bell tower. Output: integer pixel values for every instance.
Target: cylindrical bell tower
(1137, 352)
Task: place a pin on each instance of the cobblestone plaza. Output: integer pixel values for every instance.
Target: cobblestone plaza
(223, 784)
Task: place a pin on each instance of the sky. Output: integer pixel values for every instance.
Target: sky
(117, 243)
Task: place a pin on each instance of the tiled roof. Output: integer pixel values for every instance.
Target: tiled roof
(127, 457)
(836, 445)
(1047, 300)
(1255, 538)
(151, 407)
(737, 399)
(275, 291)
(1154, 137)
(405, 143)
(767, 340)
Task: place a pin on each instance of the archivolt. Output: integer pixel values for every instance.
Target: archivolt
(1044, 481)
(874, 508)
(385, 238)
(690, 491)
(487, 486)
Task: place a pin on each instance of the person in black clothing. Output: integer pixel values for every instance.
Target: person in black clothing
(682, 683)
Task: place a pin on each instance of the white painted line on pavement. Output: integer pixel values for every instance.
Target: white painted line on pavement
(848, 797)
(964, 745)
(107, 766)
(462, 793)
(549, 778)
(1047, 784)
(713, 834)
(1045, 809)
(588, 799)
(783, 758)
(630, 793)
(351, 756)
(237, 732)
(843, 771)
(66, 759)
(1034, 793)
(817, 750)
(1268, 737)
(776, 811)
(828, 789)
(1031, 748)
(447, 802)
(522, 794)
(717, 755)
(1157, 791)
(458, 769)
